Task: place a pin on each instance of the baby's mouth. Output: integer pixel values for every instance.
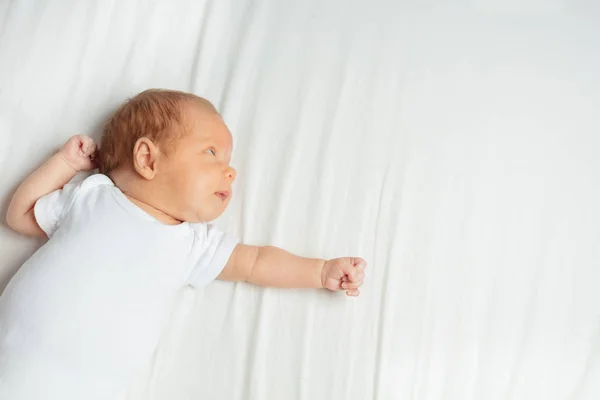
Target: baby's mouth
(223, 195)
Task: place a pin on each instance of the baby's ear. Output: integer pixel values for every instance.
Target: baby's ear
(145, 154)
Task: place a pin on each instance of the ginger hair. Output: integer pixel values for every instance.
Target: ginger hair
(156, 114)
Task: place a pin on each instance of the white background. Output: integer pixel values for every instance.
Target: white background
(452, 144)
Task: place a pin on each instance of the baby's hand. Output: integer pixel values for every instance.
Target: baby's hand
(80, 153)
(345, 273)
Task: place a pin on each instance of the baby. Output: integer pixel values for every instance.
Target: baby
(86, 311)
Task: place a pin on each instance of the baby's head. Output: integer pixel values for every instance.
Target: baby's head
(170, 150)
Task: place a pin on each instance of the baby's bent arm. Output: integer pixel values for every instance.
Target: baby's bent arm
(272, 266)
(76, 155)
(52, 175)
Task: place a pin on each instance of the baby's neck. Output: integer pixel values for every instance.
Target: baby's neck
(136, 190)
(159, 215)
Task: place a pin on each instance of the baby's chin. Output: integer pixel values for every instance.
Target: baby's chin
(204, 217)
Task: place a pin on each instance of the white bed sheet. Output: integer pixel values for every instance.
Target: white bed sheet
(453, 147)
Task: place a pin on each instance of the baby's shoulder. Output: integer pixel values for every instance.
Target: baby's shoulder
(80, 191)
(94, 181)
(76, 188)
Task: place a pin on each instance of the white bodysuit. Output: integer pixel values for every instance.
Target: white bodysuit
(86, 311)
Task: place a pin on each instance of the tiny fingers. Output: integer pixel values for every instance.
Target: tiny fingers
(360, 276)
(354, 279)
(355, 276)
(361, 265)
(88, 149)
(86, 144)
(351, 285)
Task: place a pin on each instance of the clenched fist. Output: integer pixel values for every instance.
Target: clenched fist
(80, 153)
(345, 273)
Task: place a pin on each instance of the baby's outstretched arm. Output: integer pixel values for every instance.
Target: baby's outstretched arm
(76, 155)
(272, 266)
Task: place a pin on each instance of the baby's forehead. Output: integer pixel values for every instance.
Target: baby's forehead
(195, 110)
(207, 125)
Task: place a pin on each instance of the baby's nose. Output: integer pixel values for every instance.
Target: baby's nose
(231, 173)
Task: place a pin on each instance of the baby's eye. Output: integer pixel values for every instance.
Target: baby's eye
(212, 151)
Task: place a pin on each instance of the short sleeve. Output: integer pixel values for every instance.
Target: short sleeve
(212, 249)
(50, 209)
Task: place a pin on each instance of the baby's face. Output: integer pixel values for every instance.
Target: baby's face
(196, 173)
